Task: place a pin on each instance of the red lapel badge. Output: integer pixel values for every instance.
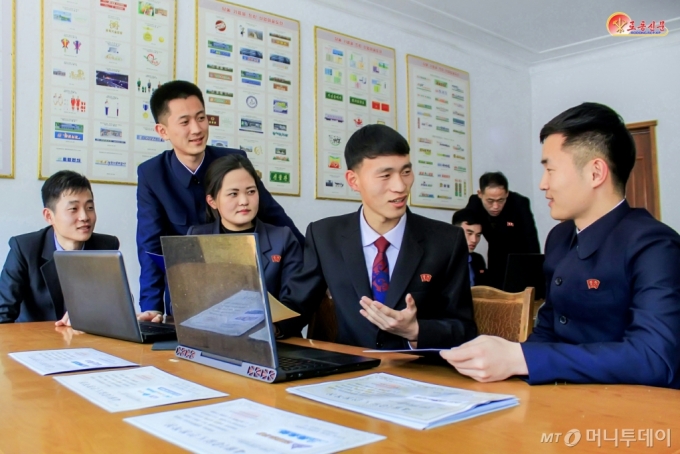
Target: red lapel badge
(425, 277)
(510, 224)
(276, 258)
(481, 271)
(593, 284)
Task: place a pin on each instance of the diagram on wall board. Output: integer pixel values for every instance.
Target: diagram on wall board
(101, 62)
(7, 89)
(248, 66)
(355, 86)
(439, 134)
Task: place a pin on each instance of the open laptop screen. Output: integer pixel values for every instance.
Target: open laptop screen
(218, 296)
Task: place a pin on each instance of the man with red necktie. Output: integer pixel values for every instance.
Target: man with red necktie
(398, 280)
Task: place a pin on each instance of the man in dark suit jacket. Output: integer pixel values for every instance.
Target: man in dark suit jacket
(398, 280)
(612, 311)
(472, 227)
(29, 285)
(170, 194)
(507, 223)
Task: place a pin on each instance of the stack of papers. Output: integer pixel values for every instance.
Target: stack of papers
(407, 402)
(245, 426)
(133, 389)
(47, 362)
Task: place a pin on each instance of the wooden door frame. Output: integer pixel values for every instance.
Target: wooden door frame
(651, 125)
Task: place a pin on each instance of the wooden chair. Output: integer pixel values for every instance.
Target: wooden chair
(503, 314)
(324, 324)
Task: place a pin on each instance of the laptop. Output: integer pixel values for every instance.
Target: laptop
(98, 299)
(222, 314)
(525, 270)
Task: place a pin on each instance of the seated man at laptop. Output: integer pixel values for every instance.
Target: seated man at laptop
(29, 285)
(472, 226)
(612, 311)
(398, 280)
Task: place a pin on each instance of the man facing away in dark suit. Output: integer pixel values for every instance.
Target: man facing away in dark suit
(170, 194)
(612, 309)
(398, 280)
(472, 227)
(507, 223)
(29, 285)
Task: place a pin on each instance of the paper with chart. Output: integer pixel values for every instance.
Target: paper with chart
(133, 389)
(245, 426)
(408, 402)
(47, 362)
(231, 317)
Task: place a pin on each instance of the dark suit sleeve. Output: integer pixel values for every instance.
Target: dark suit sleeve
(303, 291)
(272, 213)
(457, 324)
(532, 245)
(649, 353)
(292, 257)
(149, 230)
(191, 230)
(13, 283)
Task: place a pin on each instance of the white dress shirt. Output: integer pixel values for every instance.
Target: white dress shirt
(368, 237)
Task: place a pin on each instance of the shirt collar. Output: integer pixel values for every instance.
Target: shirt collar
(182, 172)
(590, 239)
(617, 205)
(58, 247)
(394, 236)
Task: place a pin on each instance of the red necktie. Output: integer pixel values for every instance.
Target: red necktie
(380, 277)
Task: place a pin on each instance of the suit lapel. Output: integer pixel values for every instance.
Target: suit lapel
(410, 254)
(49, 273)
(353, 255)
(265, 245)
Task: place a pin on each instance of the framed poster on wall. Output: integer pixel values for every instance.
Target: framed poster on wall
(355, 86)
(7, 89)
(439, 134)
(101, 61)
(248, 66)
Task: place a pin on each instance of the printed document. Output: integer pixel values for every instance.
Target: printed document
(133, 389)
(408, 402)
(47, 362)
(245, 426)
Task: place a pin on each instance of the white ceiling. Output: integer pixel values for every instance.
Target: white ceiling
(531, 31)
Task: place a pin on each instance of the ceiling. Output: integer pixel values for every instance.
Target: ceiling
(531, 31)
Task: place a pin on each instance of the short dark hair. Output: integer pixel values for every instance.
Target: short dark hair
(592, 130)
(465, 215)
(63, 182)
(372, 141)
(176, 89)
(493, 180)
(216, 173)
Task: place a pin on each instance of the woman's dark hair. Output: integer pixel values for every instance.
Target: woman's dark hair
(215, 174)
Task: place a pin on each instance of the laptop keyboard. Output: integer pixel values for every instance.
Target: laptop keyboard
(299, 364)
(155, 328)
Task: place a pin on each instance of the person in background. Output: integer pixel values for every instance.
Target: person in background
(507, 224)
(233, 201)
(29, 284)
(472, 226)
(612, 310)
(170, 194)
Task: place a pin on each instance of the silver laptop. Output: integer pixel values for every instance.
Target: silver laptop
(98, 299)
(222, 316)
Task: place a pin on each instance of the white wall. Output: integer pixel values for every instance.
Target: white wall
(501, 117)
(641, 81)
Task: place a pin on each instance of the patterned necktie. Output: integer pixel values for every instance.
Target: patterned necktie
(380, 277)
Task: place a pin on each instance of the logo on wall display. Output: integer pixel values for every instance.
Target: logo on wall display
(334, 162)
(220, 26)
(251, 101)
(593, 284)
(334, 140)
(621, 24)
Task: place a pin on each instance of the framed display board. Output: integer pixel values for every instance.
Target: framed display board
(439, 134)
(101, 61)
(7, 89)
(248, 66)
(355, 86)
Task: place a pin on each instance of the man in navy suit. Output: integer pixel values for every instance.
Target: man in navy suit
(170, 194)
(612, 310)
(398, 280)
(29, 285)
(468, 220)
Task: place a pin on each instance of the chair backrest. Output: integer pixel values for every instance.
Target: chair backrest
(503, 314)
(324, 324)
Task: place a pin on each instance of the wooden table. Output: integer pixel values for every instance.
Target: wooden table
(37, 415)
